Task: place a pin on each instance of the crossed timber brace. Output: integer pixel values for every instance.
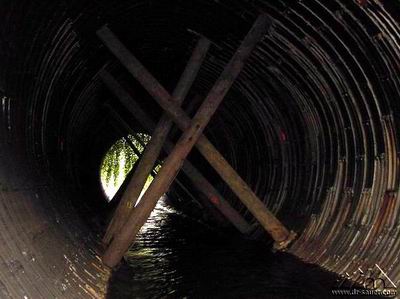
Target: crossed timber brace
(192, 135)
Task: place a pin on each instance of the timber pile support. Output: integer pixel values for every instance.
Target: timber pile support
(123, 230)
(197, 179)
(158, 138)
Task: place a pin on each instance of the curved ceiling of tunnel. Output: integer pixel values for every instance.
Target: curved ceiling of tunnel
(311, 124)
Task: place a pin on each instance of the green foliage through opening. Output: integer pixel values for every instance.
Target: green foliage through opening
(119, 161)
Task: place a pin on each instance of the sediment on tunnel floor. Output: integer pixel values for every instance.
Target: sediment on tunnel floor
(311, 125)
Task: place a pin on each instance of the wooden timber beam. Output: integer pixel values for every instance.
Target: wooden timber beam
(174, 162)
(197, 179)
(275, 228)
(190, 109)
(223, 213)
(153, 148)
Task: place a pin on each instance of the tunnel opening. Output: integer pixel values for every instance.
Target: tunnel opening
(119, 161)
(311, 124)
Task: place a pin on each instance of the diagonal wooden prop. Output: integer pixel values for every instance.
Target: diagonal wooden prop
(209, 194)
(192, 132)
(198, 180)
(153, 149)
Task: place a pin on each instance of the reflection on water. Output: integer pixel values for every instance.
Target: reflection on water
(177, 257)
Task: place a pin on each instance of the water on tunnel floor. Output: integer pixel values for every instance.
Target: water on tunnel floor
(178, 257)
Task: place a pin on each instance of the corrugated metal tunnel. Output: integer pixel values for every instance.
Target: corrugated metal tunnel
(312, 124)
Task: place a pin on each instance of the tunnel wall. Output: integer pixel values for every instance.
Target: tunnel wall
(46, 250)
(316, 108)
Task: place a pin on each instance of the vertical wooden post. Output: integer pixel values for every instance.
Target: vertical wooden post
(271, 224)
(198, 180)
(153, 149)
(174, 162)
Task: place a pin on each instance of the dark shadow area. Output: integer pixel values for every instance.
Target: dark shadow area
(177, 257)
